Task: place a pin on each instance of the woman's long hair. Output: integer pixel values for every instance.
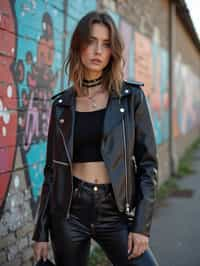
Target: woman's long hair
(113, 72)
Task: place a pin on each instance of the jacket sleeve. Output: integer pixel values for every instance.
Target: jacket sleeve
(145, 152)
(40, 233)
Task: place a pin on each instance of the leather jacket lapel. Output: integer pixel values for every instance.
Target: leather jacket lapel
(65, 116)
(112, 116)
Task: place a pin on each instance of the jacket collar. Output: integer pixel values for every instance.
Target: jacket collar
(67, 96)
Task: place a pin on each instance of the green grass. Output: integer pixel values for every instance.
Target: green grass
(167, 188)
(98, 258)
(184, 167)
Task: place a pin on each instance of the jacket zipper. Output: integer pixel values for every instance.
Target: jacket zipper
(124, 137)
(62, 163)
(70, 162)
(127, 205)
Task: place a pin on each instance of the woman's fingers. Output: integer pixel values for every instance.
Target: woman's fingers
(45, 253)
(40, 250)
(37, 251)
(140, 248)
(129, 243)
(140, 244)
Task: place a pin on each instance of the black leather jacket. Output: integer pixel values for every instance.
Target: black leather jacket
(129, 151)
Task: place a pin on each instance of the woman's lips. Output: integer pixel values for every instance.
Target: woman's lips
(96, 61)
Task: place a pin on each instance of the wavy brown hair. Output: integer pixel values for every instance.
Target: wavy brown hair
(113, 72)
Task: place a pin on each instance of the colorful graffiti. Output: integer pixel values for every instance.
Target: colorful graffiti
(37, 65)
(32, 56)
(127, 34)
(143, 62)
(186, 98)
(151, 67)
(8, 97)
(159, 94)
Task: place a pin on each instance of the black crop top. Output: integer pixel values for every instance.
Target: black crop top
(87, 136)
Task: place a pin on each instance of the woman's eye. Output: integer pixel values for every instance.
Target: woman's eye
(90, 41)
(107, 44)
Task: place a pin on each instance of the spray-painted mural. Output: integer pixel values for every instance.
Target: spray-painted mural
(8, 96)
(35, 38)
(32, 55)
(186, 98)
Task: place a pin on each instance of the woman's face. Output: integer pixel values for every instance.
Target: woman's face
(96, 54)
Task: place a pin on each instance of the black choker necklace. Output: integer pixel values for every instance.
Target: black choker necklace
(91, 82)
(91, 85)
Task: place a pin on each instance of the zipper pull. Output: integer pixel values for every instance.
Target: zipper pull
(127, 208)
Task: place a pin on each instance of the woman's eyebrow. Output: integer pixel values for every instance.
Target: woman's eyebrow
(95, 38)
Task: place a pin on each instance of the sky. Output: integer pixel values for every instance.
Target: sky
(194, 8)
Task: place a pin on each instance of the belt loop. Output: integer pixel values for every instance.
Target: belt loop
(77, 182)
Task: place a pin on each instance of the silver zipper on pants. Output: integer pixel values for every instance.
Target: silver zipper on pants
(70, 163)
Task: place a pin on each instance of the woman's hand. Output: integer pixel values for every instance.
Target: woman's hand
(40, 250)
(138, 243)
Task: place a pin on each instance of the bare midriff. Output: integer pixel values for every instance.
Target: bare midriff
(93, 172)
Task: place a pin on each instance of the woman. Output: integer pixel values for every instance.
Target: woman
(101, 164)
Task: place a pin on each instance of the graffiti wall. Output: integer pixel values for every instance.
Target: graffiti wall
(32, 54)
(186, 95)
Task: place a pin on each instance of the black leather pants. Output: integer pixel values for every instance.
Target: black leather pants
(94, 214)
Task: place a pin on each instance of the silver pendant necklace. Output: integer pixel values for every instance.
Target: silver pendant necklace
(92, 100)
(92, 83)
(93, 103)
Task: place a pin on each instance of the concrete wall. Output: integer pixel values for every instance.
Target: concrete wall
(35, 37)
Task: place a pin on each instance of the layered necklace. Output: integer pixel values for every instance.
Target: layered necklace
(92, 83)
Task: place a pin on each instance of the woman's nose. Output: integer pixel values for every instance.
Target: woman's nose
(98, 48)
